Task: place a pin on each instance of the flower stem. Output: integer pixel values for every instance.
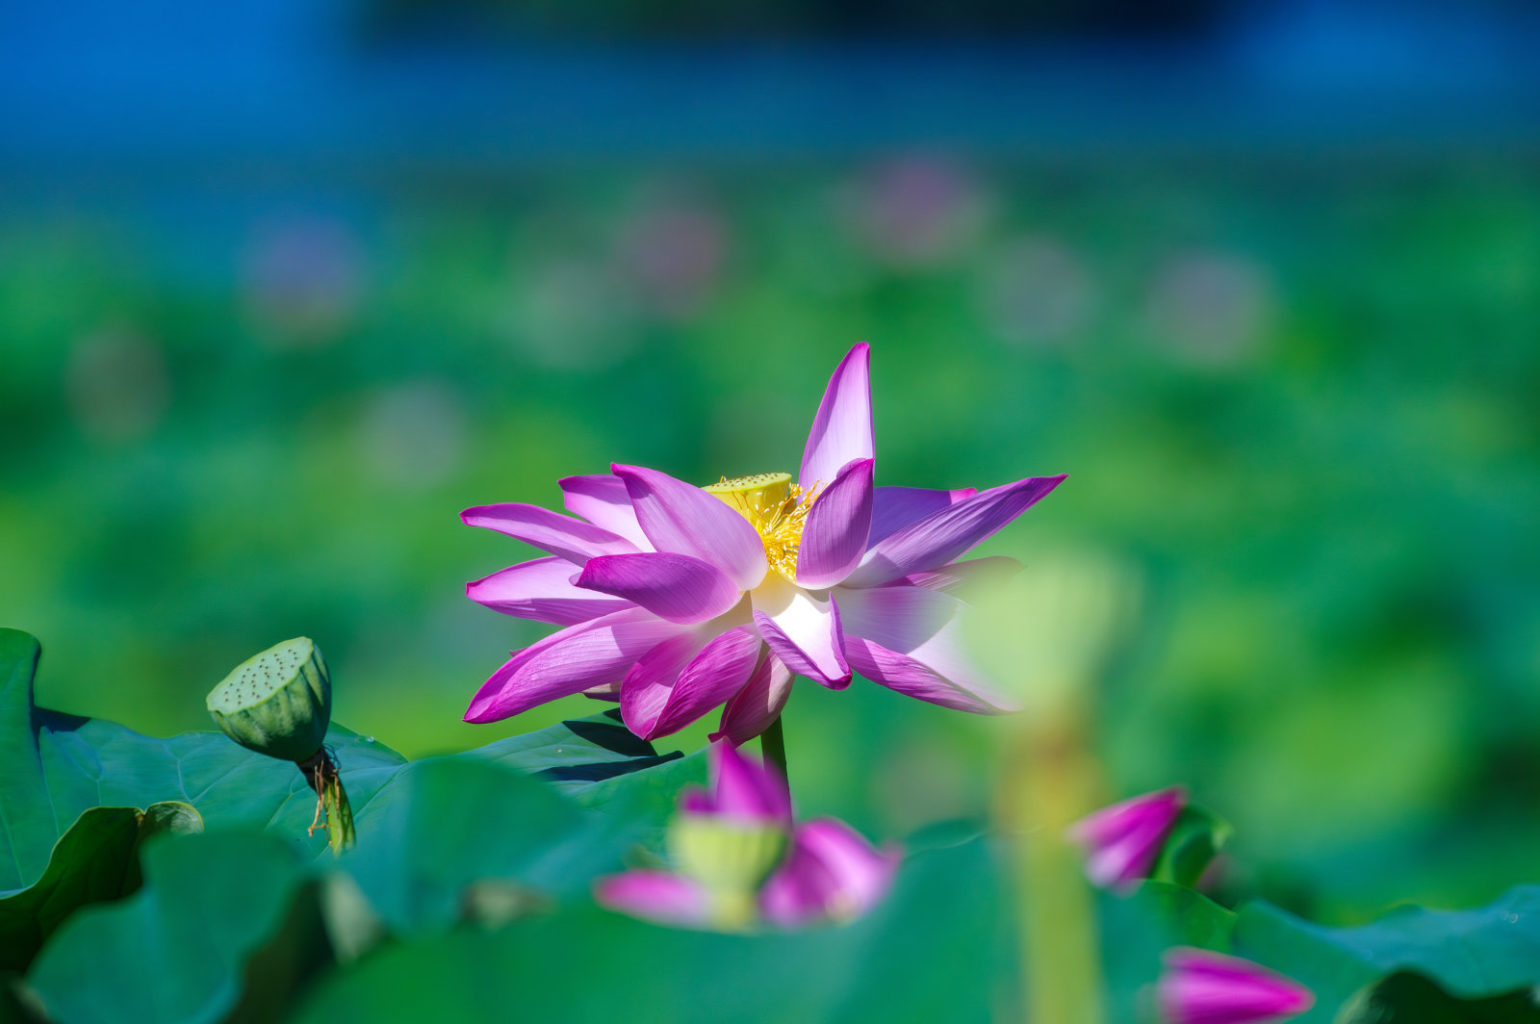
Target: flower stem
(332, 812)
(772, 744)
(1049, 779)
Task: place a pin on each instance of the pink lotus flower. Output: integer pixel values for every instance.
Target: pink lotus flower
(676, 598)
(741, 861)
(1123, 841)
(1199, 987)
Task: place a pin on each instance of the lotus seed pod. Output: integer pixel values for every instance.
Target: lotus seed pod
(759, 494)
(725, 856)
(278, 702)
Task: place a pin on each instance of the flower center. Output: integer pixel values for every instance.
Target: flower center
(776, 508)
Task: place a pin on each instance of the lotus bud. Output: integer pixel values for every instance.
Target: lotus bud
(279, 703)
(1123, 841)
(1199, 987)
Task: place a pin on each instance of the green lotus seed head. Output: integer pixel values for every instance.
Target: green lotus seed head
(278, 702)
(725, 855)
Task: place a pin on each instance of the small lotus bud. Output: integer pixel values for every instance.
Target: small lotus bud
(1199, 987)
(1123, 841)
(278, 702)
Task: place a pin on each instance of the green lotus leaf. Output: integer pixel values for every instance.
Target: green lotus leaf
(1475, 955)
(58, 766)
(95, 860)
(939, 948)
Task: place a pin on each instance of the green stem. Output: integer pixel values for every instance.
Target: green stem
(772, 744)
(333, 811)
(339, 815)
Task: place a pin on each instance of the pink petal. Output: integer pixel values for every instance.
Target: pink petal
(896, 507)
(678, 588)
(959, 577)
(541, 590)
(682, 518)
(602, 500)
(1199, 987)
(1124, 840)
(718, 671)
(942, 536)
(834, 538)
(911, 677)
(907, 639)
(655, 896)
(842, 429)
(831, 872)
(575, 659)
(570, 538)
(802, 628)
(863, 872)
(645, 689)
(758, 704)
(745, 789)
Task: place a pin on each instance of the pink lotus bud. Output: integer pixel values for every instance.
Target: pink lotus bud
(1199, 987)
(1123, 841)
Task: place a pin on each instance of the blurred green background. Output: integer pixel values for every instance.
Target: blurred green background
(1296, 392)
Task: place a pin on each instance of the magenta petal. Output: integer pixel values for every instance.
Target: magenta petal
(682, 518)
(802, 628)
(863, 873)
(570, 538)
(645, 689)
(842, 429)
(906, 638)
(678, 588)
(959, 577)
(831, 872)
(746, 790)
(655, 896)
(715, 674)
(602, 499)
(834, 538)
(903, 674)
(893, 508)
(1199, 987)
(1123, 841)
(541, 590)
(944, 535)
(575, 659)
(757, 704)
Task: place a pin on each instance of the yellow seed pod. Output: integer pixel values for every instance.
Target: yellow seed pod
(725, 856)
(759, 494)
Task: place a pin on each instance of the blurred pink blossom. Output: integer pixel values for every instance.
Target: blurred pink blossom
(1123, 841)
(741, 861)
(1199, 987)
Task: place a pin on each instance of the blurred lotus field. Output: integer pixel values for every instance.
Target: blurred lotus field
(1294, 567)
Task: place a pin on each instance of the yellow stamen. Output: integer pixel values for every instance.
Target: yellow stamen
(776, 508)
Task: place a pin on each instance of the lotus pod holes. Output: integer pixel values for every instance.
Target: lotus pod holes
(279, 703)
